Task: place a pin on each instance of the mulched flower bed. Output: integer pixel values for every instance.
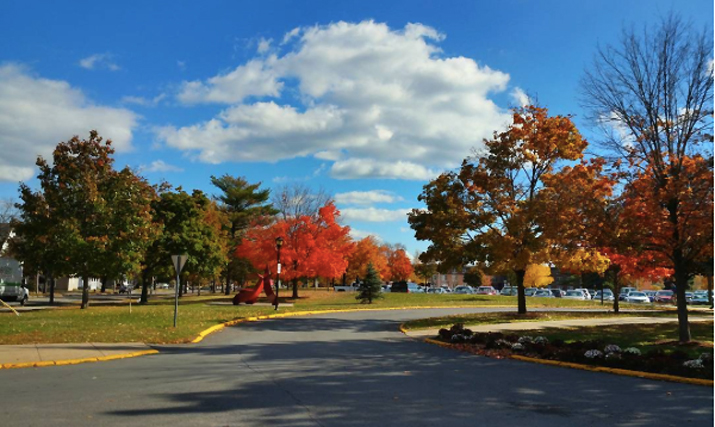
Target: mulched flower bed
(595, 353)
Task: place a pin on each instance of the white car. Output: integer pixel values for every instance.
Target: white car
(585, 291)
(575, 294)
(637, 297)
(463, 290)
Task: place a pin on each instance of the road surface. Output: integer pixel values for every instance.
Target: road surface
(343, 369)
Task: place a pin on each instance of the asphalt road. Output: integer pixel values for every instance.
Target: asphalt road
(347, 369)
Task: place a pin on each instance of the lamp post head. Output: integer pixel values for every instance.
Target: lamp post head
(279, 242)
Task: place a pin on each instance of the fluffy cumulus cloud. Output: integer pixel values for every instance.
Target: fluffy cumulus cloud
(377, 101)
(374, 214)
(366, 197)
(37, 113)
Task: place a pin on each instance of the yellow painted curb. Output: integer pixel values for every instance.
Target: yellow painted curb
(616, 371)
(76, 361)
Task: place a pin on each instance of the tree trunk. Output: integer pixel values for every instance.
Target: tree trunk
(680, 273)
(681, 283)
(145, 289)
(104, 284)
(227, 289)
(295, 288)
(521, 298)
(85, 291)
(710, 290)
(616, 290)
(52, 289)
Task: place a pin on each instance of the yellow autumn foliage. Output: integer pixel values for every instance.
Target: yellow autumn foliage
(537, 276)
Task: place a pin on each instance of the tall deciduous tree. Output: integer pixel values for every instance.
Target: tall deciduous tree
(191, 224)
(367, 251)
(399, 264)
(313, 246)
(244, 204)
(102, 216)
(492, 210)
(653, 93)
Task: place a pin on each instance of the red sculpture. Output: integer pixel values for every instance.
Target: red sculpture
(250, 295)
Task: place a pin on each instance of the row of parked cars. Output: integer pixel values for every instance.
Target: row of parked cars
(627, 294)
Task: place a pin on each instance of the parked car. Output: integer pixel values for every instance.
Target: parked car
(543, 293)
(162, 286)
(509, 291)
(585, 292)
(688, 297)
(575, 294)
(347, 288)
(125, 288)
(607, 295)
(463, 289)
(637, 297)
(624, 293)
(406, 287)
(436, 291)
(486, 290)
(446, 289)
(700, 299)
(529, 292)
(557, 293)
(650, 295)
(14, 292)
(664, 297)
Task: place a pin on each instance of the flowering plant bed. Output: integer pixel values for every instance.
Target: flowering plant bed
(666, 358)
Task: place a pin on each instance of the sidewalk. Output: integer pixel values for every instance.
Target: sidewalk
(570, 323)
(15, 356)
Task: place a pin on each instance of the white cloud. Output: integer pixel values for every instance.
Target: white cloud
(374, 214)
(181, 65)
(255, 78)
(362, 168)
(264, 45)
(37, 113)
(361, 234)
(145, 102)
(520, 98)
(366, 197)
(160, 166)
(99, 60)
(388, 101)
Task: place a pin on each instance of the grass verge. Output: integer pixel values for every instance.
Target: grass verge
(152, 323)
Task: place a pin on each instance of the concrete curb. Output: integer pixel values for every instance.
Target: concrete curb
(615, 371)
(76, 361)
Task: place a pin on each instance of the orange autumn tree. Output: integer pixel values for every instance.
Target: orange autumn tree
(313, 246)
(399, 264)
(367, 251)
(493, 211)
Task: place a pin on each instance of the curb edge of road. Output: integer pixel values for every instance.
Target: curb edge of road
(63, 362)
(615, 371)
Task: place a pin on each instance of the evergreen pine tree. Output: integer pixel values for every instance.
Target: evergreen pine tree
(370, 288)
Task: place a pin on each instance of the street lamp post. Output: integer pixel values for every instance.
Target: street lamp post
(279, 243)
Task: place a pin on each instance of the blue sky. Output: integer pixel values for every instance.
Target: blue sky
(369, 97)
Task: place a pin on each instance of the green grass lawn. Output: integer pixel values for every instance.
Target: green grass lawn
(663, 336)
(153, 323)
(475, 319)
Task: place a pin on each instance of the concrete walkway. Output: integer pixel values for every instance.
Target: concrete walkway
(33, 353)
(565, 324)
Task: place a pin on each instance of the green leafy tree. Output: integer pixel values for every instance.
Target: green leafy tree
(243, 204)
(371, 286)
(425, 270)
(101, 217)
(38, 238)
(473, 277)
(191, 225)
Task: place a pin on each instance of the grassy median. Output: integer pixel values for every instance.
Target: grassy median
(152, 323)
